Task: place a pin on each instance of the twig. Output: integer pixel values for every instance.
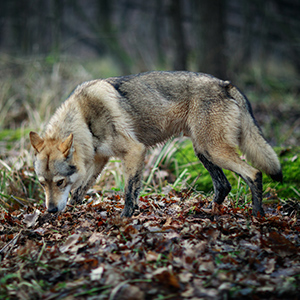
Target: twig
(5, 165)
(12, 242)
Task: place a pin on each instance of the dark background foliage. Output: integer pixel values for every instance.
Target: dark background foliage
(213, 36)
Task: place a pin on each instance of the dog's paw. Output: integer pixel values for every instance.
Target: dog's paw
(127, 212)
(258, 212)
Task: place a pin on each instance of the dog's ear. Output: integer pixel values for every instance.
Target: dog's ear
(66, 146)
(36, 141)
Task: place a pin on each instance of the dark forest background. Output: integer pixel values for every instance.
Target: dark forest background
(213, 36)
(48, 47)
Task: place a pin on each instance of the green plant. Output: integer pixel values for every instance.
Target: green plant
(18, 187)
(156, 159)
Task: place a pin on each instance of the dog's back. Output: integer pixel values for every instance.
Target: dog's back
(160, 103)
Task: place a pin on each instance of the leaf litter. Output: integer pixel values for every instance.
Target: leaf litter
(173, 248)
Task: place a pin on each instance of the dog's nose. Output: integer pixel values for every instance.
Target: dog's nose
(52, 210)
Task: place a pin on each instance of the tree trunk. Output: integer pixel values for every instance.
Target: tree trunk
(58, 8)
(212, 58)
(20, 28)
(106, 29)
(180, 48)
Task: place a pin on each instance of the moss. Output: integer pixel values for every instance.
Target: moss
(290, 162)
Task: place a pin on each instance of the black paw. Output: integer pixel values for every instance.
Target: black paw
(127, 212)
(258, 212)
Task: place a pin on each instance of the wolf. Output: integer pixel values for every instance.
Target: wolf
(124, 116)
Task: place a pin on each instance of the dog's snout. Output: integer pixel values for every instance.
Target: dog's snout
(52, 210)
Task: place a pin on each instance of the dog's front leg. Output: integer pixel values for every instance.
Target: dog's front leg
(92, 174)
(133, 164)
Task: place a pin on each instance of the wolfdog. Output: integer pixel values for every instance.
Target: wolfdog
(123, 116)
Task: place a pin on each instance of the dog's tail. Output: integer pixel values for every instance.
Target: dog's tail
(252, 142)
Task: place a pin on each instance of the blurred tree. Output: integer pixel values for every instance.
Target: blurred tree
(141, 35)
(287, 27)
(109, 32)
(106, 39)
(180, 47)
(248, 12)
(158, 33)
(3, 15)
(58, 9)
(42, 39)
(19, 14)
(211, 28)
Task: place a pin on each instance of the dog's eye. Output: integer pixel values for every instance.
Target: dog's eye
(60, 182)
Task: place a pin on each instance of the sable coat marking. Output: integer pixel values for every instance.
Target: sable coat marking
(123, 116)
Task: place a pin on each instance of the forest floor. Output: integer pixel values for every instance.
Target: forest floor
(173, 248)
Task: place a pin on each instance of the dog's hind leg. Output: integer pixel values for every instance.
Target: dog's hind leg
(226, 157)
(133, 161)
(221, 185)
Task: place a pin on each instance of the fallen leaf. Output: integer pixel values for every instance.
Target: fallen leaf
(97, 273)
(280, 244)
(126, 291)
(30, 219)
(40, 230)
(206, 266)
(294, 158)
(152, 256)
(185, 277)
(71, 240)
(270, 266)
(165, 277)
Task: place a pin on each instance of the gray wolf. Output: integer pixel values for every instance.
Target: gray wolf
(123, 116)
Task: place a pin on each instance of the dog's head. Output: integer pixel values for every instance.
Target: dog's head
(55, 168)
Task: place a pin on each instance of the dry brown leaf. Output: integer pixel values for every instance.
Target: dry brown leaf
(279, 244)
(165, 277)
(270, 266)
(152, 256)
(71, 241)
(31, 219)
(97, 273)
